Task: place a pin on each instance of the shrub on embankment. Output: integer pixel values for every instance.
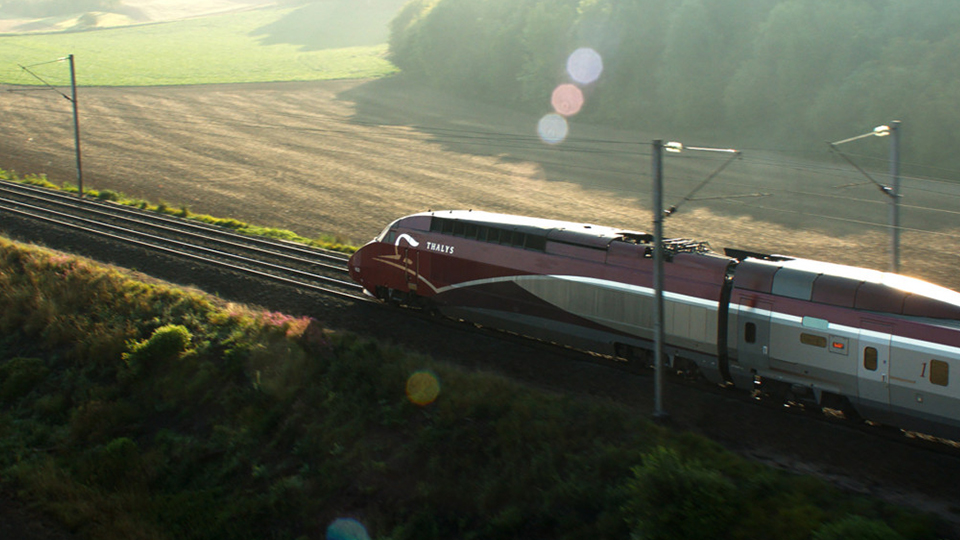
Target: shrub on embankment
(132, 410)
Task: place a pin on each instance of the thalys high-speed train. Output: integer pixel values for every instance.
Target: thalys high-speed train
(881, 345)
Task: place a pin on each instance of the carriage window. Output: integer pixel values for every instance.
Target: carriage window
(750, 333)
(813, 339)
(870, 358)
(939, 372)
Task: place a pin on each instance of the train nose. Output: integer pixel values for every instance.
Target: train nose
(353, 265)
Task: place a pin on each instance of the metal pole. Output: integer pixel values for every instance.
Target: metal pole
(76, 123)
(895, 197)
(658, 333)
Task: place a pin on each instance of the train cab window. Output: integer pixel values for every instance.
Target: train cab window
(939, 372)
(442, 226)
(750, 332)
(870, 357)
(388, 230)
(519, 239)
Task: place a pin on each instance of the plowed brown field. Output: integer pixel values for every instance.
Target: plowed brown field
(347, 157)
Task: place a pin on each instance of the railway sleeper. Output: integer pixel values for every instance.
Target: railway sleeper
(409, 299)
(835, 403)
(808, 398)
(687, 368)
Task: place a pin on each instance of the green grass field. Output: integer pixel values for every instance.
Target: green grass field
(292, 44)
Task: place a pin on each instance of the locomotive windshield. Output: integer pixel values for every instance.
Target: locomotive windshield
(386, 232)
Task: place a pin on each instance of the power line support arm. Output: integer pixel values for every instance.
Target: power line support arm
(76, 123)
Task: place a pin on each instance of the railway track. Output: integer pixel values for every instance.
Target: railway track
(313, 269)
(301, 266)
(859, 458)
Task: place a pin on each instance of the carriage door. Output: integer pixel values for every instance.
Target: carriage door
(873, 366)
(753, 343)
(411, 267)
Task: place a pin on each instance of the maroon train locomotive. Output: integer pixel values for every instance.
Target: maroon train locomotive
(882, 345)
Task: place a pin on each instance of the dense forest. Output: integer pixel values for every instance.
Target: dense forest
(777, 74)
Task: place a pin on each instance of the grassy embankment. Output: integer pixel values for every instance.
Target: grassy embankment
(132, 410)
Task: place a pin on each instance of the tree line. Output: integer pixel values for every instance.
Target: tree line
(782, 74)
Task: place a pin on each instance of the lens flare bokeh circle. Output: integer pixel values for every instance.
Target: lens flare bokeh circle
(347, 529)
(423, 387)
(567, 99)
(584, 65)
(552, 128)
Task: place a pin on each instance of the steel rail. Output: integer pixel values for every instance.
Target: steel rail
(276, 248)
(183, 227)
(37, 213)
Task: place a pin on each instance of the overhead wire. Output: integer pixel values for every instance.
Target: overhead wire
(493, 141)
(497, 139)
(576, 166)
(854, 221)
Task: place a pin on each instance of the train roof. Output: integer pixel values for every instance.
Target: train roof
(848, 286)
(586, 234)
(532, 223)
(804, 279)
